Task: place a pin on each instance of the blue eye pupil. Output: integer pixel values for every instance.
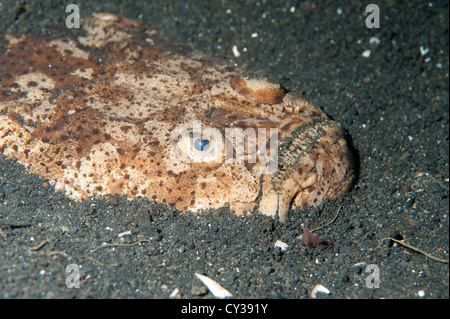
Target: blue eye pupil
(201, 145)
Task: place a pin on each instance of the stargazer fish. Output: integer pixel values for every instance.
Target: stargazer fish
(120, 110)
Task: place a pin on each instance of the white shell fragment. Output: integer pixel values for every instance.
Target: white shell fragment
(366, 53)
(216, 289)
(423, 50)
(236, 52)
(360, 264)
(281, 244)
(125, 233)
(374, 40)
(319, 288)
(174, 293)
(421, 294)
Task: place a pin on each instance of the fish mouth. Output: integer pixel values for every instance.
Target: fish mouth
(314, 163)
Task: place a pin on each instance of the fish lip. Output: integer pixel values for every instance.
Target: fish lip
(314, 163)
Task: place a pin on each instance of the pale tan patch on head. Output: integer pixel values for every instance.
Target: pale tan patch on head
(69, 47)
(86, 73)
(36, 86)
(102, 31)
(12, 39)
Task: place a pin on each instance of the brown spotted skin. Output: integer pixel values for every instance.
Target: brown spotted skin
(95, 115)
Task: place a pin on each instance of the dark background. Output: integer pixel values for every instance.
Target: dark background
(393, 104)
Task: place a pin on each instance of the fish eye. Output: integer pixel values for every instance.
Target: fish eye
(201, 145)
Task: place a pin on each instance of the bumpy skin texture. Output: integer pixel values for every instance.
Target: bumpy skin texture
(114, 111)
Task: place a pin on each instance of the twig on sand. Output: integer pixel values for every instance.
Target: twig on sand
(329, 223)
(420, 251)
(118, 245)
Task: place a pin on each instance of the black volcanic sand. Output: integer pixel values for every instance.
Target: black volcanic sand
(393, 104)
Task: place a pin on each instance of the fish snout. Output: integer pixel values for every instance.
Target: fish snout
(314, 163)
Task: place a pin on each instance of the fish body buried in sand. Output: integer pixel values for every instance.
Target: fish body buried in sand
(119, 110)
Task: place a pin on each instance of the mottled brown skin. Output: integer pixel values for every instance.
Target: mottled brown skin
(96, 114)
